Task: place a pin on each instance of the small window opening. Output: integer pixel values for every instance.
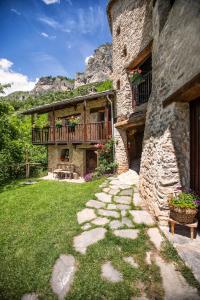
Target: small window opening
(118, 84)
(118, 30)
(64, 155)
(125, 51)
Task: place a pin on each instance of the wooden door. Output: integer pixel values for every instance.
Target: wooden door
(91, 161)
(195, 145)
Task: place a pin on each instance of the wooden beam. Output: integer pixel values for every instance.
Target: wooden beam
(54, 126)
(188, 92)
(140, 58)
(107, 119)
(85, 120)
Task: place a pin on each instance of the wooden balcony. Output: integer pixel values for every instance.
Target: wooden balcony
(82, 133)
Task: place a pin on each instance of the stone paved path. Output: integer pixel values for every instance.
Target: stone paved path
(118, 209)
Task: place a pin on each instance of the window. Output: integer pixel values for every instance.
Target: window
(125, 51)
(118, 84)
(142, 85)
(64, 156)
(118, 30)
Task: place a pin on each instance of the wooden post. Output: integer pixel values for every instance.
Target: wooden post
(107, 120)
(85, 121)
(54, 127)
(27, 164)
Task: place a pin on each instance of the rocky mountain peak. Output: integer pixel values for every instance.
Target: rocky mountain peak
(99, 66)
(49, 83)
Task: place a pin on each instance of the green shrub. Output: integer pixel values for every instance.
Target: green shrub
(106, 159)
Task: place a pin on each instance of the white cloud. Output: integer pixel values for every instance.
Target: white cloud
(45, 35)
(15, 11)
(18, 81)
(54, 24)
(5, 64)
(87, 59)
(50, 22)
(51, 1)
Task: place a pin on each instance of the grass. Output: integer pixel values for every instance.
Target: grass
(38, 223)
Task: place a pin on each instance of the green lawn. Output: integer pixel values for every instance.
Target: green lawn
(38, 223)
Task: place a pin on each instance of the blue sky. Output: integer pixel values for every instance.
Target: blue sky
(49, 37)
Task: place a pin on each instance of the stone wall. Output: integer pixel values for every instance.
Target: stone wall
(166, 150)
(132, 32)
(175, 31)
(76, 157)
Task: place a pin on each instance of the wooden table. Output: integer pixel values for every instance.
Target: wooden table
(192, 227)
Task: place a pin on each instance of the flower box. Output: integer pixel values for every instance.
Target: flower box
(183, 208)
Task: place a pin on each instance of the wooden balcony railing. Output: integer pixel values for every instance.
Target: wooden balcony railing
(81, 133)
(142, 91)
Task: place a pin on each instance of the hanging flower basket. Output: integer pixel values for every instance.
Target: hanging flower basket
(58, 123)
(136, 76)
(183, 208)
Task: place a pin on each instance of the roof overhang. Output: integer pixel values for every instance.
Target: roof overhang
(133, 122)
(68, 102)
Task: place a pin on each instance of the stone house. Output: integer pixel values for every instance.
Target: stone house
(74, 128)
(157, 125)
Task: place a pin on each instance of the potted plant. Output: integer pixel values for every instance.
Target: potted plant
(58, 123)
(136, 76)
(183, 207)
(73, 121)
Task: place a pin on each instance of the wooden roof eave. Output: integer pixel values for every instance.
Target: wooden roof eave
(67, 103)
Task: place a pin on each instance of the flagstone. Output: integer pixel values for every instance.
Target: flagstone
(127, 233)
(106, 190)
(109, 213)
(85, 215)
(114, 191)
(142, 217)
(63, 275)
(86, 226)
(87, 238)
(112, 206)
(104, 197)
(155, 237)
(130, 260)
(31, 296)
(148, 258)
(100, 221)
(109, 273)
(123, 213)
(123, 206)
(127, 192)
(137, 200)
(115, 224)
(122, 199)
(126, 221)
(175, 285)
(95, 204)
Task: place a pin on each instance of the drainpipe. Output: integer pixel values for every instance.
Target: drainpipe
(112, 122)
